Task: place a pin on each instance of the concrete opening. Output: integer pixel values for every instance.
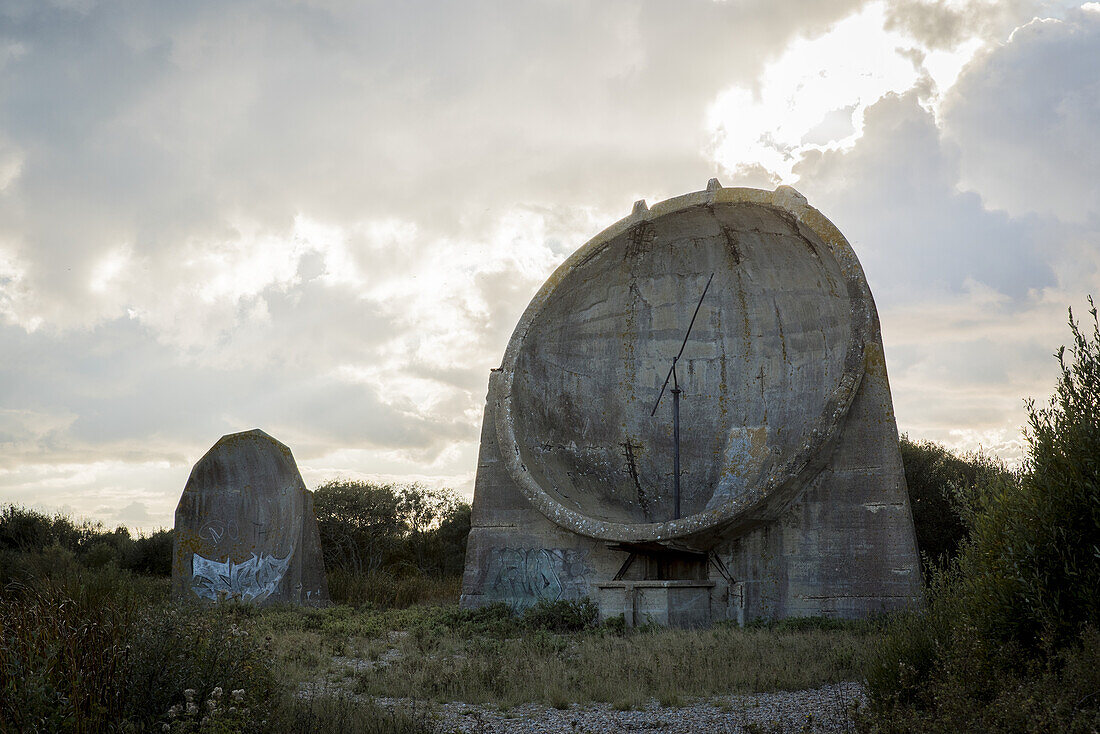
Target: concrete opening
(658, 584)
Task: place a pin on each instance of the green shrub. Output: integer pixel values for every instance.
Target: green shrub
(492, 620)
(87, 651)
(940, 485)
(1021, 601)
(151, 554)
(565, 615)
(397, 529)
(30, 531)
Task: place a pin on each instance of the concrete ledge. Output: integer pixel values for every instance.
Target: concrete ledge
(673, 603)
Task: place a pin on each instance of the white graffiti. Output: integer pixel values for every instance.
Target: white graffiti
(251, 581)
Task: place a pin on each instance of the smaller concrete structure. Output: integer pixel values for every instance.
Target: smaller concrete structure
(245, 527)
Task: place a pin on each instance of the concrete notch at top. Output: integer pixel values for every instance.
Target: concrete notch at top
(768, 375)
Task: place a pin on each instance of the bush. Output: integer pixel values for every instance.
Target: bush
(397, 529)
(29, 531)
(85, 650)
(1021, 602)
(562, 616)
(940, 485)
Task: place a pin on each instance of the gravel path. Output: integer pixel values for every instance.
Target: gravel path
(826, 709)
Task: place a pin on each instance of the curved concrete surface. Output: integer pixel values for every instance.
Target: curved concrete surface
(774, 359)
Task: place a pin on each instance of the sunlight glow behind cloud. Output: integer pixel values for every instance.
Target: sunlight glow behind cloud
(823, 85)
(324, 219)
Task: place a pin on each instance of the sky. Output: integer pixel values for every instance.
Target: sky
(323, 218)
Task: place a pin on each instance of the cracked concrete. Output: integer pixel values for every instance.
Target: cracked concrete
(789, 449)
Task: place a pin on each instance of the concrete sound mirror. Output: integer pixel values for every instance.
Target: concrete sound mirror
(729, 333)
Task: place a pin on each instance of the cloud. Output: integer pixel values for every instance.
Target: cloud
(944, 24)
(187, 127)
(1024, 117)
(319, 218)
(894, 196)
(324, 218)
(970, 299)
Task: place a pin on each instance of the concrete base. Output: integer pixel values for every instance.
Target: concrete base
(684, 604)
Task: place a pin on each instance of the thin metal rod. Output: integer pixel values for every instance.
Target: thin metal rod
(684, 344)
(676, 445)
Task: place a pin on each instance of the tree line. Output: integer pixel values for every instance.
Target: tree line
(366, 529)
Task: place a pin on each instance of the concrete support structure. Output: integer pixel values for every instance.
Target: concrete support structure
(245, 527)
(793, 494)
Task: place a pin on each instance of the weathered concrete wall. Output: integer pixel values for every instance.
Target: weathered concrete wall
(245, 527)
(791, 473)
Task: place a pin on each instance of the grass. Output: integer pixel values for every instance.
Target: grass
(95, 649)
(341, 713)
(386, 590)
(627, 671)
(487, 656)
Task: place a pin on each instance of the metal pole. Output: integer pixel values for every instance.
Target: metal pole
(676, 445)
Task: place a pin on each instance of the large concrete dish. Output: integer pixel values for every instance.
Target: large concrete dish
(768, 375)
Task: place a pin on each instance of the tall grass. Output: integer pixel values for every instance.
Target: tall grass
(89, 653)
(101, 650)
(385, 590)
(345, 714)
(625, 670)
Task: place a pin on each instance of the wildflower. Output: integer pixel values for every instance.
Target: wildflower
(175, 711)
(189, 695)
(238, 695)
(192, 708)
(205, 721)
(211, 705)
(217, 692)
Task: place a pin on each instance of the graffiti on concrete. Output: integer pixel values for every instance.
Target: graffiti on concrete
(252, 580)
(523, 576)
(215, 530)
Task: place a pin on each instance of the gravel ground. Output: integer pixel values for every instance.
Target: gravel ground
(826, 709)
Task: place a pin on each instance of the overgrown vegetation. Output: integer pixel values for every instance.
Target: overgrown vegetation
(89, 641)
(554, 653)
(940, 487)
(1010, 640)
(391, 545)
(100, 649)
(89, 649)
(606, 665)
(25, 531)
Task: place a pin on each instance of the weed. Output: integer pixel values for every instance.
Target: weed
(87, 653)
(626, 671)
(562, 616)
(344, 714)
